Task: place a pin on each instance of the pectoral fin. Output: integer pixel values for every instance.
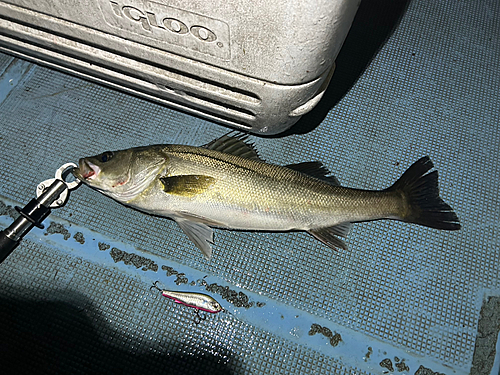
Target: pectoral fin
(201, 234)
(329, 236)
(186, 185)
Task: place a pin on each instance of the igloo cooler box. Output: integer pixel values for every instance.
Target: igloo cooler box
(255, 65)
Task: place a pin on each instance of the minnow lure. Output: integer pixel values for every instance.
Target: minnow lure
(198, 301)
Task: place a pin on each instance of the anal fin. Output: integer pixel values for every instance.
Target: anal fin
(330, 235)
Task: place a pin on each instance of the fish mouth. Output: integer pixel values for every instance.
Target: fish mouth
(86, 170)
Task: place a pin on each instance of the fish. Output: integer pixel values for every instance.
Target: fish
(227, 184)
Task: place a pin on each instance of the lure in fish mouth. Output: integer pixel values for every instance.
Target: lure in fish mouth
(226, 184)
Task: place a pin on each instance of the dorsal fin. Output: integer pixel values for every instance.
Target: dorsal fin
(234, 143)
(315, 169)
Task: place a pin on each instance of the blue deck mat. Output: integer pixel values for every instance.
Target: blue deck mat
(75, 297)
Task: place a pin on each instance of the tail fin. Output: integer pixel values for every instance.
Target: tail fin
(421, 193)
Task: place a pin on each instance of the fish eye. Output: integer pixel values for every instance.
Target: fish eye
(106, 156)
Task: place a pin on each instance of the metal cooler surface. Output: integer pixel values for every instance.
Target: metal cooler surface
(75, 297)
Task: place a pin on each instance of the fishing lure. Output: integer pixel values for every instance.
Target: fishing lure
(198, 301)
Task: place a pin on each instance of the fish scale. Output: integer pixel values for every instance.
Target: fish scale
(246, 184)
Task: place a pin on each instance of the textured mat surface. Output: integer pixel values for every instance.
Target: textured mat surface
(402, 299)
